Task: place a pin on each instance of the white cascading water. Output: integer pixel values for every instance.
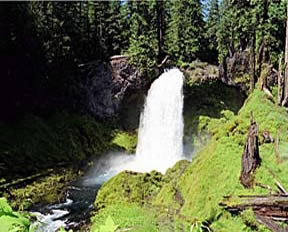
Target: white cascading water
(160, 135)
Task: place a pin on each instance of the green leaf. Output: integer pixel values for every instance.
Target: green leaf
(5, 208)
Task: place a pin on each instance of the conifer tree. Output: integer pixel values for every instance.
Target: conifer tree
(113, 28)
(142, 47)
(186, 30)
(211, 29)
(125, 22)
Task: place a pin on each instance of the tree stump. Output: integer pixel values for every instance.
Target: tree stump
(250, 158)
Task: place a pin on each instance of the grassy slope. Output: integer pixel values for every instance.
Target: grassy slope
(192, 199)
(215, 171)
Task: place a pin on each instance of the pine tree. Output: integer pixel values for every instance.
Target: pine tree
(125, 22)
(143, 42)
(160, 11)
(185, 33)
(211, 29)
(113, 28)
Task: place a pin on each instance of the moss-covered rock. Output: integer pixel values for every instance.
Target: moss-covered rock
(169, 196)
(129, 187)
(125, 140)
(200, 72)
(45, 190)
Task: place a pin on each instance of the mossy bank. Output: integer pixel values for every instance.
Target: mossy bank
(40, 156)
(190, 198)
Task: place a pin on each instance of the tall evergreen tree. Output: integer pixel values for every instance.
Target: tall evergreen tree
(113, 28)
(185, 33)
(211, 29)
(125, 21)
(142, 47)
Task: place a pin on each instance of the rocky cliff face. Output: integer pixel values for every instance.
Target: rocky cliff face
(235, 71)
(102, 86)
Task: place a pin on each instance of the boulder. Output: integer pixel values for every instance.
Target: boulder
(129, 187)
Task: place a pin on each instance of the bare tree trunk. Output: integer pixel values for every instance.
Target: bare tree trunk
(250, 158)
(160, 28)
(252, 64)
(285, 101)
(277, 155)
(280, 82)
(260, 57)
(264, 85)
(261, 49)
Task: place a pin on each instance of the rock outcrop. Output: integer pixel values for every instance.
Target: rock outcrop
(235, 71)
(102, 86)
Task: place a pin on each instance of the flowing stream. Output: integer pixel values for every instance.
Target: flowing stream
(160, 145)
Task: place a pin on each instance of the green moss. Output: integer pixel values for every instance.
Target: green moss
(189, 194)
(48, 189)
(169, 196)
(216, 169)
(125, 140)
(127, 216)
(205, 102)
(249, 218)
(129, 187)
(227, 223)
(243, 79)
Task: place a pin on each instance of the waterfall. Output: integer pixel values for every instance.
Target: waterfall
(159, 146)
(160, 131)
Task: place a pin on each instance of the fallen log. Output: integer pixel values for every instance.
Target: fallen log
(269, 223)
(281, 188)
(274, 206)
(25, 180)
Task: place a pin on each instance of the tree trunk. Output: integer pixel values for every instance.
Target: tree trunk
(160, 28)
(264, 85)
(260, 57)
(252, 64)
(280, 82)
(261, 50)
(285, 101)
(250, 158)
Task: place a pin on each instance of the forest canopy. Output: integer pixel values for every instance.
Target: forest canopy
(43, 42)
